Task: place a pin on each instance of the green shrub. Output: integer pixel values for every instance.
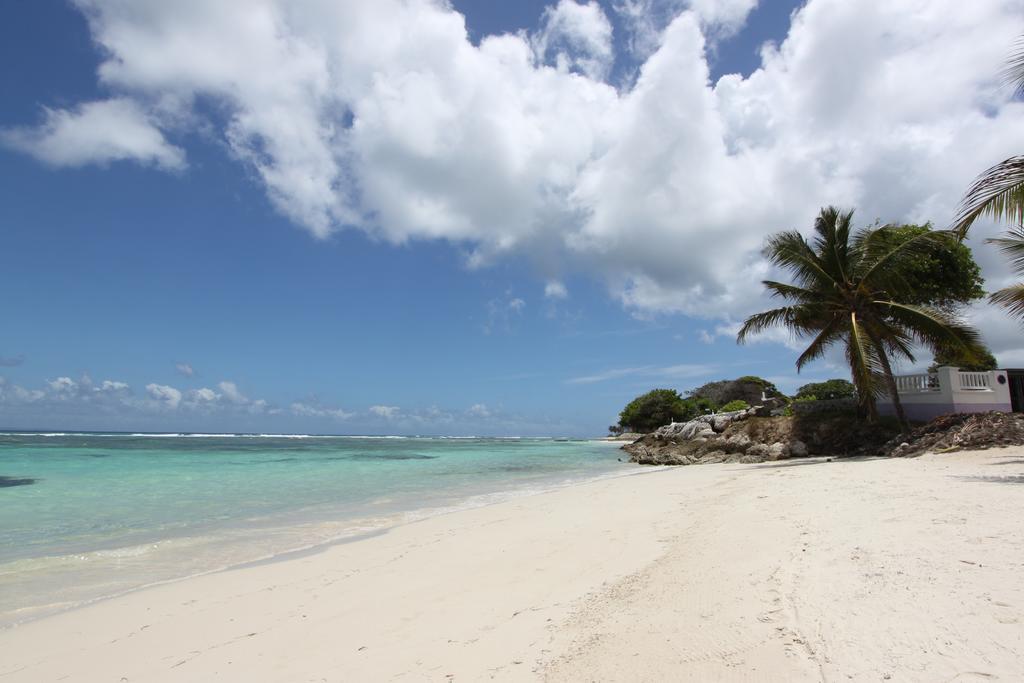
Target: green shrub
(734, 405)
(658, 408)
(826, 391)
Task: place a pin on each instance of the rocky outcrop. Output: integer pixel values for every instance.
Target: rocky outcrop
(976, 431)
(755, 436)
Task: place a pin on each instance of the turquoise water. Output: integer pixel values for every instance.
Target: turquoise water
(83, 516)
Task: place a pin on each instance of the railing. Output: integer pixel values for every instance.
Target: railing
(916, 384)
(975, 381)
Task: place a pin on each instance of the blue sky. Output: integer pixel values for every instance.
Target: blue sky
(187, 263)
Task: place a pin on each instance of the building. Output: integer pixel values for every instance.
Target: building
(951, 390)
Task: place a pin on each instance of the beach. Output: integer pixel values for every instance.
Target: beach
(814, 569)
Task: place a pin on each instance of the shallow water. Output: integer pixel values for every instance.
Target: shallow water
(84, 516)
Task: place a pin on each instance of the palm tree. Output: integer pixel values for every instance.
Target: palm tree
(847, 288)
(999, 194)
(1012, 246)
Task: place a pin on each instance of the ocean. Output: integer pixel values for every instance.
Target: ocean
(85, 516)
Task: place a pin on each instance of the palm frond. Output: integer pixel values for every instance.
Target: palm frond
(784, 291)
(1012, 246)
(790, 250)
(864, 366)
(1013, 73)
(933, 327)
(833, 241)
(830, 334)
(759, 322)
(998, 193)
(1010, 298)
(895, 340)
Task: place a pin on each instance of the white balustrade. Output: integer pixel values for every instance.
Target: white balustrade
(975, 381)
(916, 384)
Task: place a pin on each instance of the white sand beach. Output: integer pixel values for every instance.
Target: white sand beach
(903, 570)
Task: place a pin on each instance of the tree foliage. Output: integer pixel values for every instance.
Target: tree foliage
(748, 388)
(981, 361)
(660, 407)
(828, 390)
(941, 272)
(853, 288)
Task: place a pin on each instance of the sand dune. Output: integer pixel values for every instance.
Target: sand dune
(802, 570)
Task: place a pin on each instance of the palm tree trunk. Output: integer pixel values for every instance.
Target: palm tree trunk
(866, 407)
(890, 381)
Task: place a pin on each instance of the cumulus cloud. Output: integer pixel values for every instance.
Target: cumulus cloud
(96, 133)
(645, 20)
(301, 409)
(576, 36)
(554, 289)
(386, 412)
(385, 117)
(113, 388)
(184, 369)
(479, 410)
(164, 395)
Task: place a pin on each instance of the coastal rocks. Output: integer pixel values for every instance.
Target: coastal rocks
(749, 436)
(977, 431)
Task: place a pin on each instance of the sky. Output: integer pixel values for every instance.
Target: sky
(464, 218)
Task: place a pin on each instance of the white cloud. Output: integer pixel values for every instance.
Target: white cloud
(203, 396)
(96, 133)
(555, 290)
(384, 117)
(164, 396)
(110, 387)
(725, 17)
(646, 20)
(577, 35)
(386, 412)
(316, 410)
(670, 372)
(479, 410)
(63, 386)
(231, 393)
(184, 369)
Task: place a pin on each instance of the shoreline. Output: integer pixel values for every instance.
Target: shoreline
(305, 547)
(793, 570)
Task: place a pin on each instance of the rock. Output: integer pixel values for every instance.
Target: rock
(797, 448)
(975, 431)
(778, 451)
(737, 443)
(758, 450)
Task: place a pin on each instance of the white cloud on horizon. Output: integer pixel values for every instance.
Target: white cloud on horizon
(164, 396)
(301, 409)
(385, 412)
(671, 372)
(384, 116)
